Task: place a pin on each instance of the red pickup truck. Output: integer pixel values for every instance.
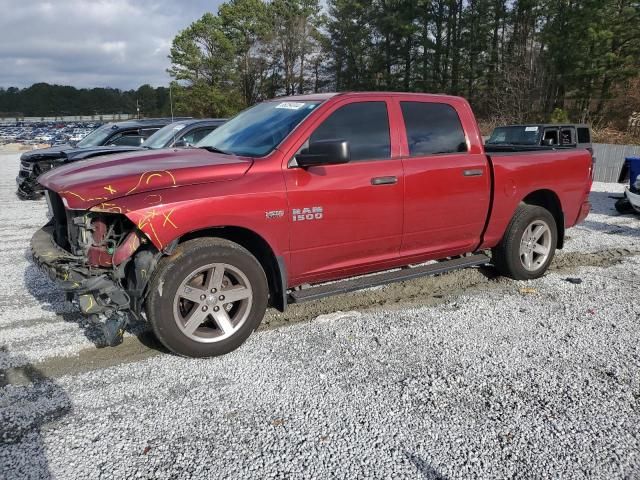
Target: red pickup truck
(294, 193)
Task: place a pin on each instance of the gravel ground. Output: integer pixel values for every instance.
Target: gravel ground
(486, 378)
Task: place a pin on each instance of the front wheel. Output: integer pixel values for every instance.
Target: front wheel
(206, 298)
(528, 245)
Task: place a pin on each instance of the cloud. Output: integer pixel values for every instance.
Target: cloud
(91, 43)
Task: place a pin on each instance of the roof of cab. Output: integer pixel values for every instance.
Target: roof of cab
(326, 96)
(194, 121)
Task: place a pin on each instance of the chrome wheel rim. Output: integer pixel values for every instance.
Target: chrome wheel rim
(212, 303)
(535, 245)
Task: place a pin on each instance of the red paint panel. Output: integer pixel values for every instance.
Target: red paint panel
(566, 173)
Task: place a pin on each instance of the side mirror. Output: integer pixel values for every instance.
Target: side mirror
(181, 143)
(548, 142)
(324, 152)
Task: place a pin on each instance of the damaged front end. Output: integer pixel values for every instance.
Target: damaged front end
(101, 260)
(30, 170)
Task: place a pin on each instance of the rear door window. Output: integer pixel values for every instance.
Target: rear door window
(128, 139)
(567, 137)
(583, 135)
(551, 137)
(147, 132)
(432, 128)
(365, 125)
(194, 136)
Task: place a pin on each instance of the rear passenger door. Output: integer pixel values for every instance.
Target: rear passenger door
(347, 217)
(447, 188)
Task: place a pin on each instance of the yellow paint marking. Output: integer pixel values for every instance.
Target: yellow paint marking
(168, 219)
(151, 176)
(110, 189)
(110, 207)
(171, 175)
(90, 304)
(74, 194)
(137, 185)
(149, 198)
(155, 235)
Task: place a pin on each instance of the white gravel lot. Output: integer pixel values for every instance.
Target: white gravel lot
(512, 380)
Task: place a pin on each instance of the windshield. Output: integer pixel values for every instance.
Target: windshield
(164, 137)
(256, 131)
(517, 135)
(97, 137)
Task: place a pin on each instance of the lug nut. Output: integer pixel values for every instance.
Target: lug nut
(221, 297)
(203, 296)
(213, 290)
(215, 309)
(204, 309)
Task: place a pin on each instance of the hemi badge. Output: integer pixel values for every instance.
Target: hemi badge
(274, 214)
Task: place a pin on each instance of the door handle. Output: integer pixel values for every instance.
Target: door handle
(475, 172)
(384, 180)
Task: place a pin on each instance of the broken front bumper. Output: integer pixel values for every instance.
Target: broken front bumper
(28, 187)
(96, 292)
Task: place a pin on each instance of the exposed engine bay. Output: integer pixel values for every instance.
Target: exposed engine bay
(101, 260)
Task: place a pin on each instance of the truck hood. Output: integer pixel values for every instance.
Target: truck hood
(67, 153)
(45, 153)
(91, 182)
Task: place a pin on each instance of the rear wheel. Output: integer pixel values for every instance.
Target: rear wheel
(206, 298)
(528, 245)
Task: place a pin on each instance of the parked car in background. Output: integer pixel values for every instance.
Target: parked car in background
(630, 201)
(183, 133)
(110, 138)
(539, 136)
(293, 193)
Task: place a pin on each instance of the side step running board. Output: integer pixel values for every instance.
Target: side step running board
(345, 286)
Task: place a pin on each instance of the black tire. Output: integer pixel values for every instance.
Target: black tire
(507, 255)
(174, 270)
(623, 205)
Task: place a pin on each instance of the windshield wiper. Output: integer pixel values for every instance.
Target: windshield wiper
(215, 150)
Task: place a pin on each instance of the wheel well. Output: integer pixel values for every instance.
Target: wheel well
(259, 248)
(549, 201)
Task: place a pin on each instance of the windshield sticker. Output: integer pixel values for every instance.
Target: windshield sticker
(290, 105)
(531, 129)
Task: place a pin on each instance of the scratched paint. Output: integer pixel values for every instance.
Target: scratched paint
(146, 178)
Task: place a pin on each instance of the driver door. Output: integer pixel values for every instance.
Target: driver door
(347, 218)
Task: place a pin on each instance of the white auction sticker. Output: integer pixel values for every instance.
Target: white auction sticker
(531, 129)
(291, 105)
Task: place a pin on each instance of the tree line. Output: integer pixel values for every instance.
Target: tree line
(515, 60)
(44, 100)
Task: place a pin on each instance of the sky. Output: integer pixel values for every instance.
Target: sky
(92, 43)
